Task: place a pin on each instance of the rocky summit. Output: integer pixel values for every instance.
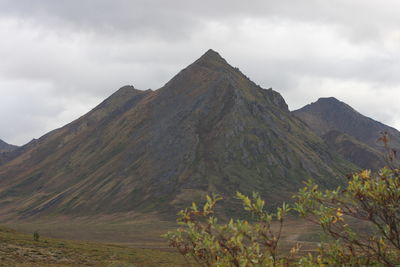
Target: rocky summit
(209, 129)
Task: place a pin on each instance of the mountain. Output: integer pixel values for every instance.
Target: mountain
(354, 150)
(209, 129)
(4, 147)
(350, 133)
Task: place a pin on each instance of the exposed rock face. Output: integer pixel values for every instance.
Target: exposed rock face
(352, 134)
(209, 129)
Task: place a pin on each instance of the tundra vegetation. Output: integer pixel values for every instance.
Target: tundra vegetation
(360, 223)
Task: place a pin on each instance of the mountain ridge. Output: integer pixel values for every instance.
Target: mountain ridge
(343, 127)
(208, 129)
(5, 147)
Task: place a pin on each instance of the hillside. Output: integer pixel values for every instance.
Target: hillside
(354, 150)
(331, 114)
(209, 129)
(7, 152)
(4, 147)
(348, 132)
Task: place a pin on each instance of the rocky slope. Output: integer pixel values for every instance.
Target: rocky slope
(4, 147)
(350, 148)
(350, 133)
(209, 129)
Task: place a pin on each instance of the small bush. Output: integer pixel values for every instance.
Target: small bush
(36, 236)
(361, 221)
(237, 243)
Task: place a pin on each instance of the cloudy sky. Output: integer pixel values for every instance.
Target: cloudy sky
(58, 59)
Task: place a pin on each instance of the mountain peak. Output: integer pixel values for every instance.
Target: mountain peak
(211, 54)
(328, 104)
(329, 113)
(124, 93)
(212, 73)
(126, 90)
(329, 99)
(211, 57)
(210, 67)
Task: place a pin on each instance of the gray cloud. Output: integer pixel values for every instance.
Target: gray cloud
(61, 58)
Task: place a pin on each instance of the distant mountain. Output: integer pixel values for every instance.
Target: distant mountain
(209, 129)
(352, 134)
(4, 147)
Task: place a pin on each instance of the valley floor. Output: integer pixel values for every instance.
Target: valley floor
(111, 243)
(19, 249)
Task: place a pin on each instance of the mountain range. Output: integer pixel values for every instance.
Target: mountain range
(209, 129)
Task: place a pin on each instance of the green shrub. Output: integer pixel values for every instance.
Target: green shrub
(36, 236)
(361, 221)
(237, 243)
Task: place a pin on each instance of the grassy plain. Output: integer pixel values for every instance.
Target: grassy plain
(19, 249)
(103, 242)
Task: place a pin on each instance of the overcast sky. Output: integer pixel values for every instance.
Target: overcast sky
(58, 59)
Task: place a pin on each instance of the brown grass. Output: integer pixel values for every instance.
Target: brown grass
(102, 242)
(19, 249)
